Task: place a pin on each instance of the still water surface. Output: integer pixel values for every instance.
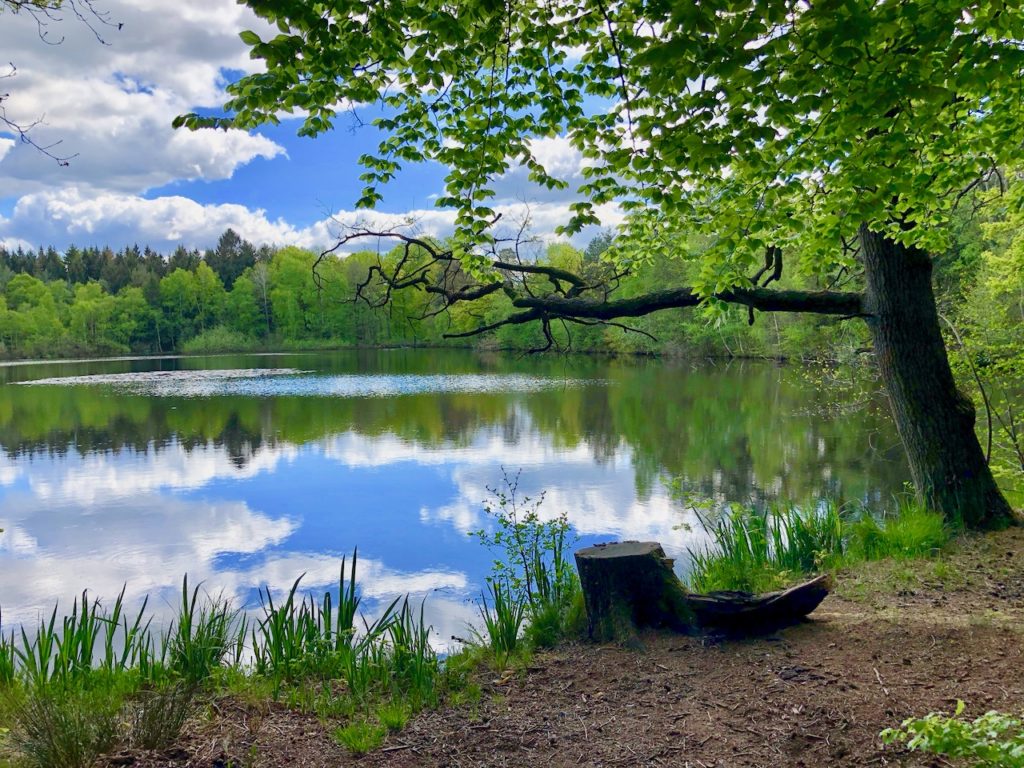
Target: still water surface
(249, 470)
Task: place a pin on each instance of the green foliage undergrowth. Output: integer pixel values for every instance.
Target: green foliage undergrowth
(218, 339)
(993, 740)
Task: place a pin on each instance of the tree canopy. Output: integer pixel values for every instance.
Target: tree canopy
(759, 122)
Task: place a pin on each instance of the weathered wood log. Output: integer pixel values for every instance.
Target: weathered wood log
(631, 584)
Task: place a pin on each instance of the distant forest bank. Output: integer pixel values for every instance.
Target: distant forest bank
(239, 297)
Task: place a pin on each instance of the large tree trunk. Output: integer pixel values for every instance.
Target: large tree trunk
(934, 419)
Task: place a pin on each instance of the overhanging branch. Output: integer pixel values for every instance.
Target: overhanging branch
(437, 272)
(764, 299)
(842, 304)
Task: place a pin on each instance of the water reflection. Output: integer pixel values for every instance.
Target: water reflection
(243, 478)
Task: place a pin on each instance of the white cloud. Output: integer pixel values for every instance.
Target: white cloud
(159, 539)
(112, 105)
(598, 499)
(9, 472)
(85, 216)
(558, 156)
(488, 448)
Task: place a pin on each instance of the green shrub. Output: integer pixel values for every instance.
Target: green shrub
(532, 581)
(218, 339)
(994, 740)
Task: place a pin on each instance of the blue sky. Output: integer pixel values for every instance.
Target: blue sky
(134, 179)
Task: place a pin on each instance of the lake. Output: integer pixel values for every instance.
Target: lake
(249, 470)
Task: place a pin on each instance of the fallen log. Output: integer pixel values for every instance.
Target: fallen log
(631, 584)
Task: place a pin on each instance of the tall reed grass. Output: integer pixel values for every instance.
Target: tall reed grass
(199, 640)
(90, 639)
(503, 616)
(98, 677)
(761, 550)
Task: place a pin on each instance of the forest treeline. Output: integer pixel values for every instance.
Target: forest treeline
(237, 296)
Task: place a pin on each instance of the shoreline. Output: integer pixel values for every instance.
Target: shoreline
(274, 351)
(896, 639)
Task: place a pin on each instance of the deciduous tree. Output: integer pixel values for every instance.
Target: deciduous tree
(835, 137)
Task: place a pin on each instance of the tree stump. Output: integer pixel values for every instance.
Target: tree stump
(628, 585)
(631, 584)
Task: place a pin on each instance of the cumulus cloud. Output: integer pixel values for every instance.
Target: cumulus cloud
(74, 215)
(597, 499)
(112, 105)
(84, 216)
(560, 159)
(95, 479)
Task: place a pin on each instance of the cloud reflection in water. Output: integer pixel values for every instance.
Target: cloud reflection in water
(143, 519)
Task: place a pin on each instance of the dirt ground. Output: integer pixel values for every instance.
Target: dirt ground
(893, 640)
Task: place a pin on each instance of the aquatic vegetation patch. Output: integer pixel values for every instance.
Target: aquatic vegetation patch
(292, 382)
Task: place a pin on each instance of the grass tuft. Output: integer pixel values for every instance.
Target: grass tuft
(503, 617)
(199, 640)
(65, 729)
(394, 715)
(360, 737)
(156, 716)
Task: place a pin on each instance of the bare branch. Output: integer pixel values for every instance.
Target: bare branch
(22, 131)
(587, 301)
(44, 13)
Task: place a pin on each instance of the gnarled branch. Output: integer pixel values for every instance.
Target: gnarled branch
(587, 300)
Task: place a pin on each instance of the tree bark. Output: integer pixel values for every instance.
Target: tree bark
(629, 585)
(935, 421)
